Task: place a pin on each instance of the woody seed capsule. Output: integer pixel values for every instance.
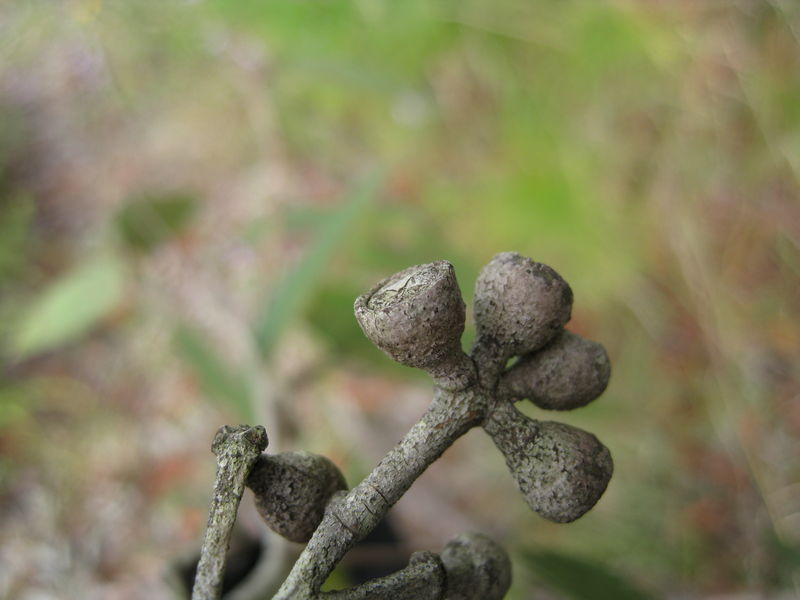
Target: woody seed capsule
(561, 470)
(568, 373)
(291, 491)
(477, 568)
(520, 305)
(415, 316)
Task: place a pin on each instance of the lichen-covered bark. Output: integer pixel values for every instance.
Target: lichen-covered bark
(566, 374)
(561, 470)
(236, 449)
(291, 491)
(417, 317)
(520, 305)
(352, 516)
(476, 567)
(423, 579)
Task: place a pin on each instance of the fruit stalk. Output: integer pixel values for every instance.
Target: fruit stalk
(236, 449)
(351, 516)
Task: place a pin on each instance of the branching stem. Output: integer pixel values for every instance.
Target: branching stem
(417, 318)
(352, 516)
(423, 579)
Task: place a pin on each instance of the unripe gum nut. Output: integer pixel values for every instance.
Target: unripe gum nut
(477, 568)
(415, 316)
(520, 305)
(568, 373)
(291, 491)
(562, 471)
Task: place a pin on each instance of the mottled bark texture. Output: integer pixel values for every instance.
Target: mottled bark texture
(560, 470)
(350, 517)
(476, 568)
(236, 449)
(568, 373)
(520, 305)
(424, 578)
(292, 490)
(471, 566)
(417, 317)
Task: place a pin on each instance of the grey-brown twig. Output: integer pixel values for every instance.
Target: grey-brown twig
(417, 318)
(236, 449)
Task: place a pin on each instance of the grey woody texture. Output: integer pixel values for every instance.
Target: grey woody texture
(236, 449)
(292, 490)
(417, 317)
(351, 516)
(476, 568)
(520, 305)
(561, 470)
(568, 373)
(424, 578)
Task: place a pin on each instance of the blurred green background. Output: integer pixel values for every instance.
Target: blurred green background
(192, 194)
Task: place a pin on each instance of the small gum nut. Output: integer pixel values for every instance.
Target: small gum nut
(561, 470)
(291, 491)
(520, 305)
(568, 373)
(415, 316)
(477, 568)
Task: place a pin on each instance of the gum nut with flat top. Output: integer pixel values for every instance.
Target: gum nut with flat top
(291, 491)
(562, 471)
(415, 316)
(477, 568)
(568, 373)
(520, 305)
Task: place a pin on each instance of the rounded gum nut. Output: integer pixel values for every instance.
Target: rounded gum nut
(568, 373)
(477, 568)
(291, 491)
(415, 316)
(562, 471)
(520, 305)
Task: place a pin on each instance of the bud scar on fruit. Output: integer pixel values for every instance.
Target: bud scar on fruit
(417, 318)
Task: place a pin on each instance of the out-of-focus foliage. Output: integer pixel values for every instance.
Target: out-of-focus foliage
(579, 579)
(217, 379)
(291, 294)
(17, 215)
(69, 307)
(147, 222)
(648, 151)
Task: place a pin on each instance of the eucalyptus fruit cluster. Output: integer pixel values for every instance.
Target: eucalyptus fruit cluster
(417, 317)
(521, 307)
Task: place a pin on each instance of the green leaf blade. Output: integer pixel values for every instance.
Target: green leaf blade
(293, 292)
(70, 307)
(217, 379)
